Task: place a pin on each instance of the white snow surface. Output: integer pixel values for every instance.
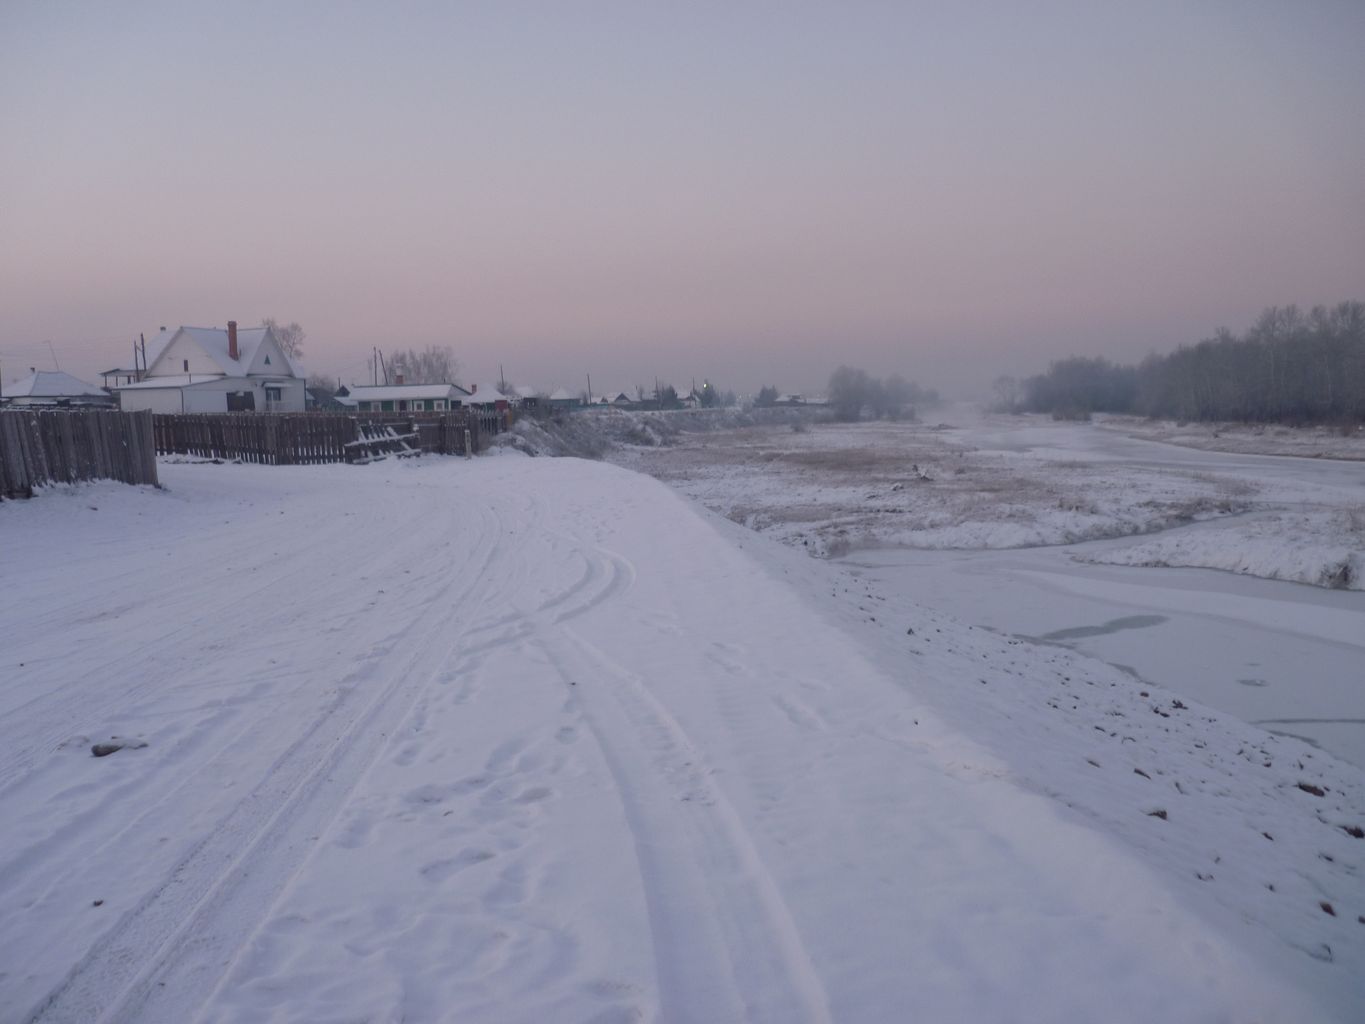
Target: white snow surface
(530, 740)
(1323, 547)
(997, 482)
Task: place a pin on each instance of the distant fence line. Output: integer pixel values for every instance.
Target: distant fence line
(289, 439)
(42, 447)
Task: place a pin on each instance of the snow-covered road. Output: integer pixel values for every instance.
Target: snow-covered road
(530, 740)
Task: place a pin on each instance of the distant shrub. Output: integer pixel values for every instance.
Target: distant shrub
(1071, 413)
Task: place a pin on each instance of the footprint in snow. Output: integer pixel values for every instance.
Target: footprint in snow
(439, 870)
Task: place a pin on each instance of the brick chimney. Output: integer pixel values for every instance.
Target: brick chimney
(398, 379)
(473, 388)
(232, 339)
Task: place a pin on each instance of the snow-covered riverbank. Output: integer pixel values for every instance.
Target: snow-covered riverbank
(973, 482)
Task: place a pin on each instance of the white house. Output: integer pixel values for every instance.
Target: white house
(52, 389)
(486, 395)
(563, 399)
(408, 397)
(211, 369)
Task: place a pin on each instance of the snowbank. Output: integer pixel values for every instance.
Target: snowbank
(1319, 442)
(1325, 548)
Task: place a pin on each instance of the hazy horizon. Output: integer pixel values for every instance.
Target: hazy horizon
(752, 194)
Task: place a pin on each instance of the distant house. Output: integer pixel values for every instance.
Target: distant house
(52, 389)
(487, 395)
(408, 397)
(212, 369)
(564, 400)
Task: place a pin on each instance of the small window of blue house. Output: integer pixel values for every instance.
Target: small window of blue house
(267, 360)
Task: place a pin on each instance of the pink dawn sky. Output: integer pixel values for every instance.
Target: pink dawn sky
(749, 192)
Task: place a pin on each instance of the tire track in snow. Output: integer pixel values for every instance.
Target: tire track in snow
(725, 944)
(47, 719)
(166, 955)
(215, 751)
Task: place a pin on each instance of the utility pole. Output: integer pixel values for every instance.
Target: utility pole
(589, 389)
(502, 380)
(144, 356)
(54, 355)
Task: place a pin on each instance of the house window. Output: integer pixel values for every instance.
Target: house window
(267, 360)
(241, 401)
(439, 405)
(419, 405)
(272, 399)
(187, 365)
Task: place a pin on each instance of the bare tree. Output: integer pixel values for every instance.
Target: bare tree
(848, 392)
(290, 336)
(436, 364)
(321, 382)
(1007, 394)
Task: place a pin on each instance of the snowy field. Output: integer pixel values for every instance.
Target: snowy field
(540, 740)
(974, 482)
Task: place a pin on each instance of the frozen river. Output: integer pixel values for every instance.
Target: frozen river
(1286, 656)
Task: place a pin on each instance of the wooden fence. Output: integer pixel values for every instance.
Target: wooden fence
(288, 439)
(278, 439)
(64, 446)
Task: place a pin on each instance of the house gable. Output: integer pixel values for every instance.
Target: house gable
(181, 355)
(204, 351)
(268, 359)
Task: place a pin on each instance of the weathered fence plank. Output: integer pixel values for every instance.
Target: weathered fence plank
(62, 446)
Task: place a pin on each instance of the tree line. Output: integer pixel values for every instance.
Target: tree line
(1288, 367)
(852, 392)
